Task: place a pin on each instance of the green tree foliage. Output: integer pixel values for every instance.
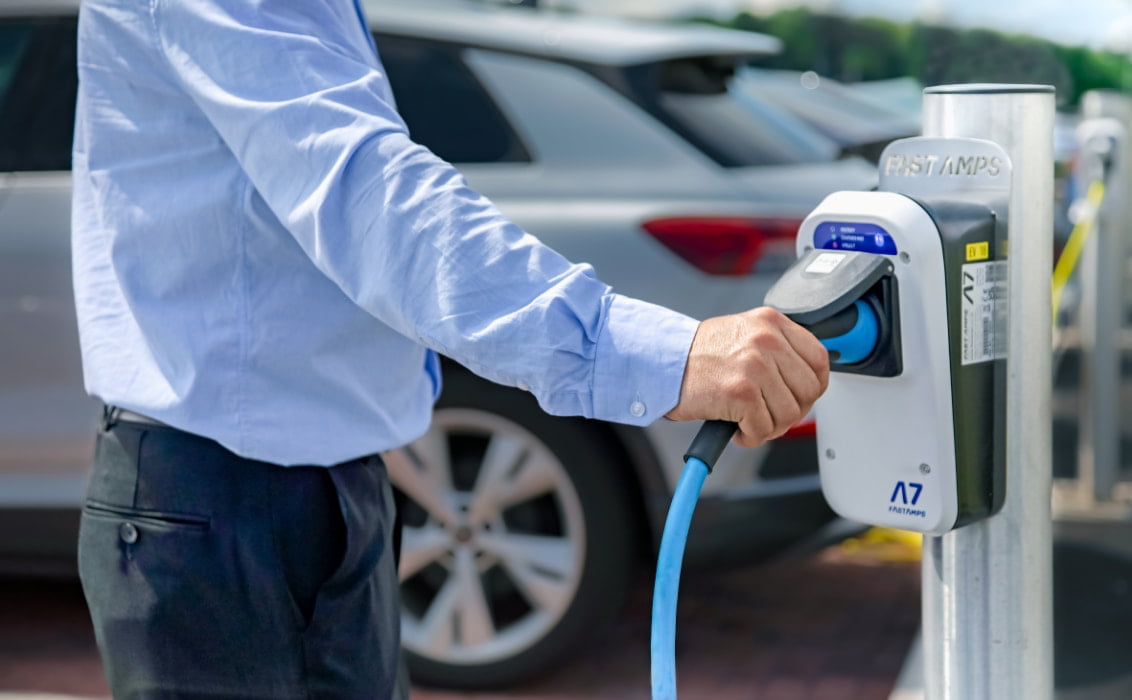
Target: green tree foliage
(852, 49)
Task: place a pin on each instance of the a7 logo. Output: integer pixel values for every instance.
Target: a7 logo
(901, 492)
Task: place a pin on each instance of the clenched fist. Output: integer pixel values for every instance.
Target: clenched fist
(758, 369)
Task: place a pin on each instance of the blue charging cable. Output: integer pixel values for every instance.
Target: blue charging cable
(667, 587)
(850, 347)
(702, 455)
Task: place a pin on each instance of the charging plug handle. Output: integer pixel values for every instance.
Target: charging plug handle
(823, 283)
(850, 336)
(710, 441)
(826, 292)
(831, 294)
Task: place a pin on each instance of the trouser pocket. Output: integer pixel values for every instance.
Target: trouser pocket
(308, 531)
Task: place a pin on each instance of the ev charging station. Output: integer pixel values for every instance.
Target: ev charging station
(924, 255)
(1104, 177)
(944, 426)
(932, 295)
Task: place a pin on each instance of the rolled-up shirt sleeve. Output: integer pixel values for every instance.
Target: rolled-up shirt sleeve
(296, 94)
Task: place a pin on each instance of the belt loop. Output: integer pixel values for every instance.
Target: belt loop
(109, 417)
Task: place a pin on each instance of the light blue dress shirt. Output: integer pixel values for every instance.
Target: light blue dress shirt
(262, 256)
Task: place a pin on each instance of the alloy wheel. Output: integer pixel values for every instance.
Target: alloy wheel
(493, 543)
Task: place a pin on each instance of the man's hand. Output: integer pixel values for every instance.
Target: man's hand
(758, 369)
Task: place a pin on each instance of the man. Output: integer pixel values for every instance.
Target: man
(265, 268)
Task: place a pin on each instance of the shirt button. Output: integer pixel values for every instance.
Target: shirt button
(128, 532)
(637, 409)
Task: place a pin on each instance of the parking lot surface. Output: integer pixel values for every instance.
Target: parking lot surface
(832, 626)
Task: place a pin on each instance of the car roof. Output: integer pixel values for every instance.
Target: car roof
(580, 38)
(38, 7)
(571, 37)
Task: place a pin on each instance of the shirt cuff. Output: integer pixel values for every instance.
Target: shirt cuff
(640, 360)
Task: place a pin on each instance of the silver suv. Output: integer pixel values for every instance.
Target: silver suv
(618, 144)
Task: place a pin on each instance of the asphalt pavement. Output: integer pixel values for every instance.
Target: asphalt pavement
(837, 625)
(832, 626)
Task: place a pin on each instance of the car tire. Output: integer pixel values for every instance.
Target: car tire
(518, 537)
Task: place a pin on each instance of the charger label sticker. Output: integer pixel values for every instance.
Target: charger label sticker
(983, 305)
(825, 263)
(978, 251)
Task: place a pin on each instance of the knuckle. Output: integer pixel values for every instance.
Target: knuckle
(788, 418)
(758, 426)
(823, 364)
(744, 439)
(766, 341)
(735, 387)
(804, 408)
(814, 389)
(796, 418)
(751, 361)
(766, 314)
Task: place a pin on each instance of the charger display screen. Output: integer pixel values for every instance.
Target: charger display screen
(851, 235)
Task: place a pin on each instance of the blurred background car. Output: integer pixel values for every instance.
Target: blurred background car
(633, 147)
(852, 118)
(902, 96)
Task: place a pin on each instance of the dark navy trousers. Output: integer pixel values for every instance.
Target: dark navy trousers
(213, 576)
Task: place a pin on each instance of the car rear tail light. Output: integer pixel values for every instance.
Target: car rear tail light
(808, 428)
(728, 245)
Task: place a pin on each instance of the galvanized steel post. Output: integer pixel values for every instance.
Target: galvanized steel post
(1105, 153)
(987, 587)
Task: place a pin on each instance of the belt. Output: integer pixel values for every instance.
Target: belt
(115, 414)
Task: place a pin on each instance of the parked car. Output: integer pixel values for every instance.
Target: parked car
(855, 122)
(619, 144)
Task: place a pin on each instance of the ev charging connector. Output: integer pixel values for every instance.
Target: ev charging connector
(910, 432)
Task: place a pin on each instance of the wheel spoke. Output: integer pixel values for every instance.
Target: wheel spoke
(437, 627)
(459, 615)
(541, 566)
(420, 546)
(472, 614)
(534, 478)
(493, 483)
(509, 475)
(418, 485)
(431, 451)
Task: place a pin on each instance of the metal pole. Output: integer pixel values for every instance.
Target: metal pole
(987, 587)
(1105, 151)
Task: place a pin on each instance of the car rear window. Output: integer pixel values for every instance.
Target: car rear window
(698, 98)
(38, 86)
(13, 41)
(445, 107)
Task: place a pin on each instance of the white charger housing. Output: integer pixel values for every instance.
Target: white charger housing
(911, 432)
(885, 444)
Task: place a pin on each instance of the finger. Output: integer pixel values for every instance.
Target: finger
(805, 382)
(802, 380)
(809, 348)
(781, 403)
(755, 426)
